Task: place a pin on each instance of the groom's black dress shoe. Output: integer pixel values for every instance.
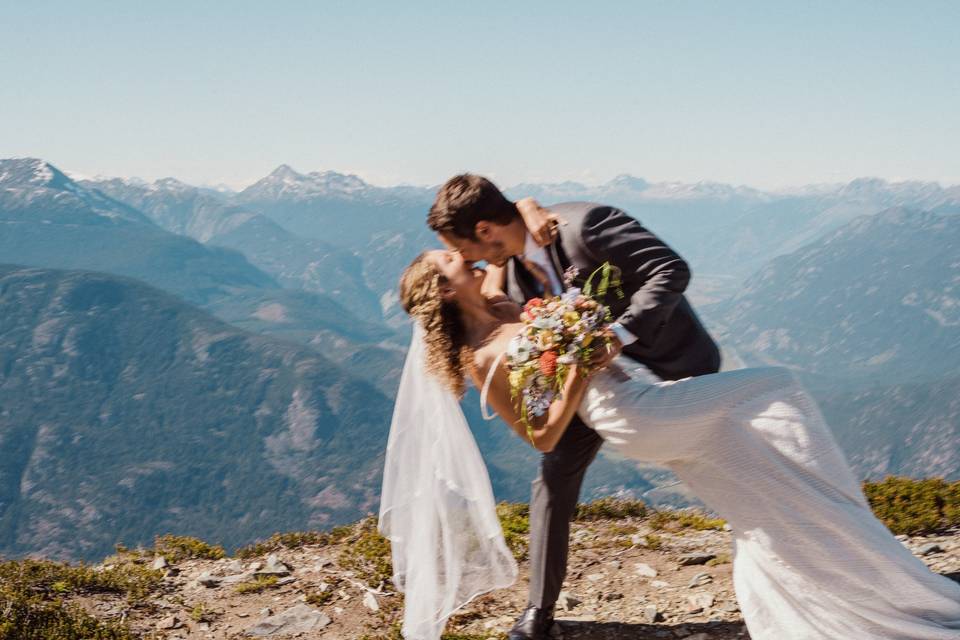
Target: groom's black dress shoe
(534, 624)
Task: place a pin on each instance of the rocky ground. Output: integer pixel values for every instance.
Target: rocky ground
(633, 577)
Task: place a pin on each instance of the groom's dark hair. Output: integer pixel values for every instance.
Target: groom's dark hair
(465, 200)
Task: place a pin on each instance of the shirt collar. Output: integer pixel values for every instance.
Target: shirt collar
(531, 248)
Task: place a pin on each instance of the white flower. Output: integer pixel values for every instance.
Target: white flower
(549, 322)
(519, 349)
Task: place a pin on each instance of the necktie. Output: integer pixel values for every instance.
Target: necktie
(541, 276)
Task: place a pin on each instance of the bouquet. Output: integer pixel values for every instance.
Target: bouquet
(559, 332)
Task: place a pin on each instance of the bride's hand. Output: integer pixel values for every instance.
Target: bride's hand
(542, 225)
(494, 283)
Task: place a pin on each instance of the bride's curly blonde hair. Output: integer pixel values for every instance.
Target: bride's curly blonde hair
(445, 339)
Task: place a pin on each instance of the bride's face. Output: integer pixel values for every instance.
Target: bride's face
(458, 279)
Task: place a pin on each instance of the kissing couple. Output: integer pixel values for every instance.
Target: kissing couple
(810, 560)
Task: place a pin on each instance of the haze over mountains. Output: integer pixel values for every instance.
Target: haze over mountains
(223, 363)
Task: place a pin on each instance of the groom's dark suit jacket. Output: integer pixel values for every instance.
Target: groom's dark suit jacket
(671, 340)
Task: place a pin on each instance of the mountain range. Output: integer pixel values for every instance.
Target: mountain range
(193, 342)
(127, 412)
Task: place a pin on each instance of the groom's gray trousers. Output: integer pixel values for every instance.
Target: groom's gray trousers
(553, 502)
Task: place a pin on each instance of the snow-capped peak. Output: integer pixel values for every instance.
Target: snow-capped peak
(285, 182)
(32, 172)
(286, 173)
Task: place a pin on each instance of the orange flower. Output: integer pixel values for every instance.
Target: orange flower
(532, 303)
(548, 363)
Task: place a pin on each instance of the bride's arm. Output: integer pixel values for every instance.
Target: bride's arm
(494, 283)
(548, 428)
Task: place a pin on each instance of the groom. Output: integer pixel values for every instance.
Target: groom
(655, 325)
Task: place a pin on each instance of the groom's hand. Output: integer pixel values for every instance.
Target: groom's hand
(540, 222)
(602, 356)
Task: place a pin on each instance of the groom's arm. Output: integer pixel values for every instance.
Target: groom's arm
(655, 274)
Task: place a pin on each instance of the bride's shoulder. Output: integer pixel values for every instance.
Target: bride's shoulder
(486, 354)
(482, 358)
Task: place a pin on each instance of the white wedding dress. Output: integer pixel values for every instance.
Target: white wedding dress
(811, 561)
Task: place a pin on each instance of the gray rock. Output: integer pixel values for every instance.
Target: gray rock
(643, 569)
(237, 577)
(930, 549)
(700, 579)
(170, 622)
(273, 567)
(567, 601)
(234, 566)
(659, 584)
(299, 618)
(370, 602)
(159, 563)
(700, 601)
(652, 614)
(209, 581)
(691, 559)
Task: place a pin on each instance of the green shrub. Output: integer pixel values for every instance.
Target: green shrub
(610, 509)
(913, 507)
(200, 613)
(318, 598)
(515, 522)
(368, 553)
(177, 548)
(653, 541)
(29, 616)
(294, 540)
(33, 608)
(257, 585)
(47, 577)
(676, 520)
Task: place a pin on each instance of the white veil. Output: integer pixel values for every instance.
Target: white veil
(437, 506)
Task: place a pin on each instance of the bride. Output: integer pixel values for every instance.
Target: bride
(811, 561)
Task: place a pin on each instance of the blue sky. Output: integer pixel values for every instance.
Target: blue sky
(761, 93)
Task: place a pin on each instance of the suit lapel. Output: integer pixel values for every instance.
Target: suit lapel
(559, 259)
(521, 285)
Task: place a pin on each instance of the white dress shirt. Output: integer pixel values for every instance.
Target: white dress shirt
(538, 255)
